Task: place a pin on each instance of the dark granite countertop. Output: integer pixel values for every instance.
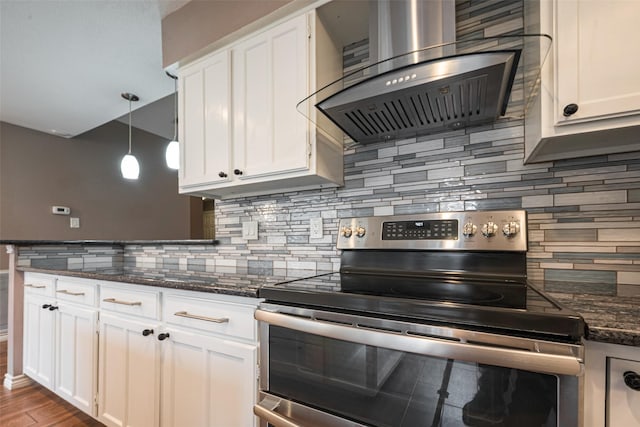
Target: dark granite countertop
(109, 242)
(237, 282)
(609, 319)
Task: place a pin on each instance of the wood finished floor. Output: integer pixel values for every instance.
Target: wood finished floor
(35, 405)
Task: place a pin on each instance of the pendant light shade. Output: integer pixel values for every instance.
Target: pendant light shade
(172, 155)
(129, 165)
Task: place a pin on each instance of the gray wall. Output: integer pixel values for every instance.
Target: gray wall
(200, 23)
(38, 171)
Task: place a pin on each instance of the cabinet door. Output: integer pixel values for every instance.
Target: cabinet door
(129, 371)
(623, 402)
(39, 339)
(204, 121)
(598, 58)
(76, 356)
(270, 78)
(207, 381)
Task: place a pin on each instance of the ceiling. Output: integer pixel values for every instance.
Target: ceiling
(64, 64)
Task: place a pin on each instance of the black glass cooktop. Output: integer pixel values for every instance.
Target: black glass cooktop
(490, 305)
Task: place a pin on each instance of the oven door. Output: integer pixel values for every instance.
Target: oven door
(332, 369)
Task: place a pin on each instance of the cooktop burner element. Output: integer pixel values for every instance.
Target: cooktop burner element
(466, 269)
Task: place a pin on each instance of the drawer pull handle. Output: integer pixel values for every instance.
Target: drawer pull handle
(35, 286)
(206, 319)
(66, 292)
(116, 301)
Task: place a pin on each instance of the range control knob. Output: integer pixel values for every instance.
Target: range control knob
(489, 229)
(346, 232)
(510, 228)
(469, 229)
(360, 231)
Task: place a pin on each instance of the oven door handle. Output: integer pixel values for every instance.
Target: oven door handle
(431, 346)
(266, 410)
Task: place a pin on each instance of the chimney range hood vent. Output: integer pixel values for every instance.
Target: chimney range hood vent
(442, 87)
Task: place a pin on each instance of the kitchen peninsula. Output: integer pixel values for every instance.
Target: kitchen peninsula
(95, 320)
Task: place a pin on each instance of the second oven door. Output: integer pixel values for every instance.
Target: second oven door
(379, 386)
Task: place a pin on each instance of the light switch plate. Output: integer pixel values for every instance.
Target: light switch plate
(250, 230)
(315, 226)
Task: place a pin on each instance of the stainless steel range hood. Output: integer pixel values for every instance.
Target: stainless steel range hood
(416, 90)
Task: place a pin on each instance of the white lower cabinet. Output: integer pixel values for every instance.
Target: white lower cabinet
(60, 341)
(76, 361)
(610, 401)
(207, 381)
(39, 339)
(129, 382)
(143, 356)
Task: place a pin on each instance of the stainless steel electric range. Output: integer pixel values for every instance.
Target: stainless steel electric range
(429, 322)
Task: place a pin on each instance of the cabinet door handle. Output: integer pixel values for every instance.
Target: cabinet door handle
(163, 337)
(34, 286)
(45, 306)
(569, 110)
(117, 301)
(66, 292)
(632, 380)
(53, 307)
(222, 175)
(206, 319)
(147, 332)
(237, 172)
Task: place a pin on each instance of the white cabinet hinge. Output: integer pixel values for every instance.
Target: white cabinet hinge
(258, 372)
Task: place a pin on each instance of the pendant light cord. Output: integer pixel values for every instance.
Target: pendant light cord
(175, 108)
(129, 125)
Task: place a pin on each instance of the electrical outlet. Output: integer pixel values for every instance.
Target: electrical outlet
(315, 226)
(74, 222)
(250, 230)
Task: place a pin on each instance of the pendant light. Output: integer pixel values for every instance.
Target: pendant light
(129, 166)
(172, 155)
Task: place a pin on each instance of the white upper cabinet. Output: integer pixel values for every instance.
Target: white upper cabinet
(205, 102)
(240, 131)
(270, 135)
(589, 102)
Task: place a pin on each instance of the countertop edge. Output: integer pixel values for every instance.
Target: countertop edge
(108, 242)
(167, 284)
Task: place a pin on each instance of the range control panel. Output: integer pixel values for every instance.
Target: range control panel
(446, 229)
(471, 230)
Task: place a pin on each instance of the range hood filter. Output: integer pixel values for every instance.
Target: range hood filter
(428, 97)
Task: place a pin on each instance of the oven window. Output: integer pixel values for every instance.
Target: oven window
(381, 387)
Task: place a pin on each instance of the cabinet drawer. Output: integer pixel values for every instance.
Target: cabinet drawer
(130, 301)
(75, 291)
(235, 320)
(39, 284)
(623, 402)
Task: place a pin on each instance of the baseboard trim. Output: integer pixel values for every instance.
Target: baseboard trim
(13, 382)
